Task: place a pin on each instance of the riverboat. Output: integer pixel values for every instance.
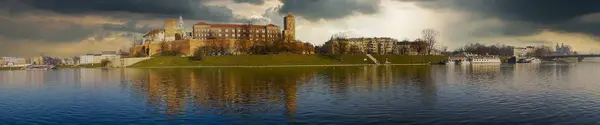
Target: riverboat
(39, 67)
(484, 59)
(529, 60)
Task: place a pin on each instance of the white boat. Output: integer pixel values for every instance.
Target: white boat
(462, 62)
(39, 67)
(529, 60)
(485, 60)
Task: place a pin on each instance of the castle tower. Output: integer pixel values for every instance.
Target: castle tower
(171, 29)
(289, 29)
(180, 25)
(181, 28)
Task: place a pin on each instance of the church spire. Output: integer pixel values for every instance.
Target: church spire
(180, 23)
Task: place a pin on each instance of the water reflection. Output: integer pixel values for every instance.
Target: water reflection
(254, 91)
(363, 94)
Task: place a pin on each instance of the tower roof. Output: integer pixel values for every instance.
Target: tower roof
(290, 15)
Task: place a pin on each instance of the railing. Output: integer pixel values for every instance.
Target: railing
(373, 59)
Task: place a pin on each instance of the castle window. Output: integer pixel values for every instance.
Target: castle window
(226, 30)
(226, 35)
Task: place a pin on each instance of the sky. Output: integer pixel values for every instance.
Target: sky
(74, 27)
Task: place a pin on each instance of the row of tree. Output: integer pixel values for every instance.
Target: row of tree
(481, 49)
(421, 46)
(501, 50)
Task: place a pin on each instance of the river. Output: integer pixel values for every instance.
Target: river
(560, 93)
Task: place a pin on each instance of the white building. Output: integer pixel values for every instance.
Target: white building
(89, 59)
(380, 46)
(563, 50)
(13, 62)
(157, 35)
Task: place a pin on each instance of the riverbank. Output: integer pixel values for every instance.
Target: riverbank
(11, 68)
(284, 60)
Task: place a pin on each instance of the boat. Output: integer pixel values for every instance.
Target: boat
(462, 61)
(39, 67)
(484, 59)
(529, 60)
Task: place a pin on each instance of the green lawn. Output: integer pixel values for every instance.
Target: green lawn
(11, 68)
(279, 59)
(406, 59)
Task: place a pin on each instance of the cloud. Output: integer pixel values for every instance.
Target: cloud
(52, 31)
(105, 41)
(255, 2)
(131, 26)
(192, 9)
(314, 10)
(525, 17)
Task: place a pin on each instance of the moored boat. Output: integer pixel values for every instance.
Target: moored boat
(485, 59)
(39, 67)
(529, 60)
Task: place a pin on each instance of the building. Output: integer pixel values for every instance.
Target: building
(205, 31)
(405, 48)
(38, 60)
(89, 59)
(563, 50)
(157, 35)
(68, 61)
(519, 51)
(171, 29)
(13, 62)
(380, 46)
(289, 28)
(186, 40)
(97, 58)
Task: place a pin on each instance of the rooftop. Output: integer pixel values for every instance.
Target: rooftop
(235, 25)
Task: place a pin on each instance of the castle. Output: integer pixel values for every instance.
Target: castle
(186, 40)
(563, 50)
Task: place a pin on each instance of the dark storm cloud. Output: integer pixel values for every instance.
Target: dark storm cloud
(131, 26)
(255, 2)
(52, 31)
(328, 9)
(541, 14)
(191, 9)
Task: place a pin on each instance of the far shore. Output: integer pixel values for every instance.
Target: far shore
(274, 66)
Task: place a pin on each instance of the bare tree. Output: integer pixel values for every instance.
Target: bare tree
(341, 42)
(429, 36)
(420, 46)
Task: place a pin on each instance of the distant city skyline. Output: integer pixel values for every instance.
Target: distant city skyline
(75, 27)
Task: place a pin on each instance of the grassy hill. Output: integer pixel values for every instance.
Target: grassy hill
(280, 59)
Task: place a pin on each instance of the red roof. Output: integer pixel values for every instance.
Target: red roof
(234, 25)
(155, 31)
(290, 15)
(202, 23)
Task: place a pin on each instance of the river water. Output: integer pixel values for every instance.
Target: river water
(559, 93)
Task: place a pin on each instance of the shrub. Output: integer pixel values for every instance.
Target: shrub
(198, 55)
(104, 62)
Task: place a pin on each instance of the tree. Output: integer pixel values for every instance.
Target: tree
(199, 54)
(76, 59)
(341, 43)
(542, 51)
(169, 49)
(354, 49)
(420, 46)
(105, 63)
(243, 43)
(430, 36)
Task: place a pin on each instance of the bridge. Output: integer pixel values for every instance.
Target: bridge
(580, 57)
